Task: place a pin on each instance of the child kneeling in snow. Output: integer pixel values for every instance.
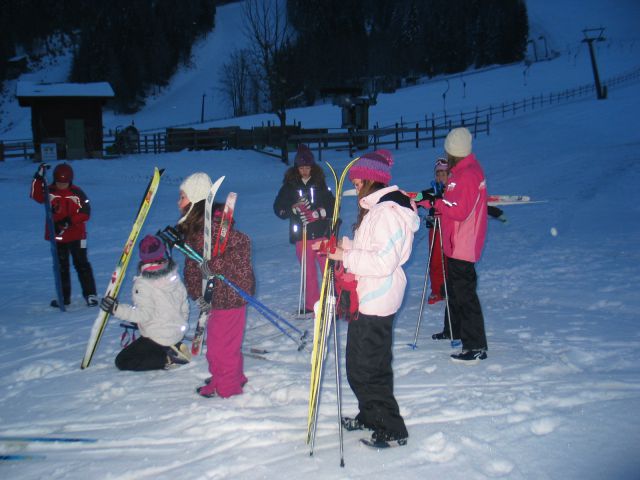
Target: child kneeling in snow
(160, 309)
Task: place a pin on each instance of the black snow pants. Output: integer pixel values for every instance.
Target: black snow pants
(369, 372)
(142, 354)
(78, 252)
(467, 321)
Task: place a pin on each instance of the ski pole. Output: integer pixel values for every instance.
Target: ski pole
(303, 274)
(454, 343)
(338, 388)
(424, 288)
(262, 305)
(263, 309)
(266, 312)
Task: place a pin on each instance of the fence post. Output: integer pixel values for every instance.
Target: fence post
(24, 151)
(488, 132)
(397, 145)
(319, 150)
(375, 137)
(433, 131)
(1, 151)
(417, 135)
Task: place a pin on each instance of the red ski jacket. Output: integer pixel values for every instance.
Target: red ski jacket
(70, 208)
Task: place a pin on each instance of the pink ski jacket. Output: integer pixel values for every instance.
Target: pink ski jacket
(381, 245)
(464, 211)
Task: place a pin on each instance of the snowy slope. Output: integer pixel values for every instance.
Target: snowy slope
(557, 397)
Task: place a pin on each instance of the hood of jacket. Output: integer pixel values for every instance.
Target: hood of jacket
(392, 197)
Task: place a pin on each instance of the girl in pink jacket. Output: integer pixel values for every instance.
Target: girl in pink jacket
(463, 210)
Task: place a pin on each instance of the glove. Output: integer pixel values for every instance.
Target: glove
(206, 271)
(415, 196)
(432, 197)
(41, 172)
(300, 205)
(203, 305)
(62, 225)
(109, 304)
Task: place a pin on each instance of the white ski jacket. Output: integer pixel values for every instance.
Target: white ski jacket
(381, 245)
(160, 306)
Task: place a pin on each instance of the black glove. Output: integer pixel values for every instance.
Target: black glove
(109, 304)
(203, 305)
(41, 172)
(63, 224)
(432, 197)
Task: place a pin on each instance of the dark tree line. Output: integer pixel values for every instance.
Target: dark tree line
(132, 44)
(340, 42)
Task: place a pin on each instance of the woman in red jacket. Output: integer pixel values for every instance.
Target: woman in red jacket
(71, 210)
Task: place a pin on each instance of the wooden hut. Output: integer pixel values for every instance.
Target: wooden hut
(68, 115)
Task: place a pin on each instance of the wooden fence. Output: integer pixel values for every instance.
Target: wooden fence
(428, 130)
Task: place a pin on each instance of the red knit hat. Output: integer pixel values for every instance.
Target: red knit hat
(304, 157)
(63, 173)
(373, 166)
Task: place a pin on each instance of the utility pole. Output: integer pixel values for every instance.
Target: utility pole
(202, 109)
(601, 92)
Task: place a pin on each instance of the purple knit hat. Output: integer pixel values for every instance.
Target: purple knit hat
(374, 166)
(304, 157)
(151, 249)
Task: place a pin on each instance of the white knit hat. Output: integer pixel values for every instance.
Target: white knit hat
(196, 186)
(458, 142)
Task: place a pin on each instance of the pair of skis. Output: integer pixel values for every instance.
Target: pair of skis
(324, 321)
(218, 249)
(20, 440)
(118, 274)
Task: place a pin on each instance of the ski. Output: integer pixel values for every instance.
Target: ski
(225, 224)
(511, 200)
(52, 240)
(18, 457)
(118, 274)
(324, 314)
(20, 439)
(196, 344)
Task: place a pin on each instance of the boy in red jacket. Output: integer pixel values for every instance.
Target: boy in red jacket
(71, 210)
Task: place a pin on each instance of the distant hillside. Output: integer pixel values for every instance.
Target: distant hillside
(132, 45)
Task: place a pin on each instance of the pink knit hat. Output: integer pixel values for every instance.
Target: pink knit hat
(304, 157)
(374, 166)
(151, 249)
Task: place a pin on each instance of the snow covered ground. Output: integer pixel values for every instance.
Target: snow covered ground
(557, 398)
